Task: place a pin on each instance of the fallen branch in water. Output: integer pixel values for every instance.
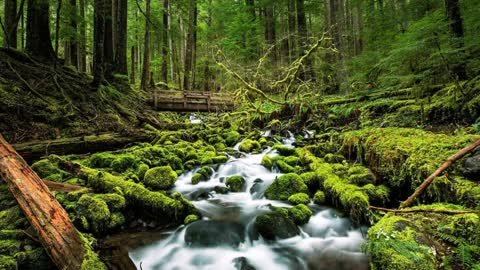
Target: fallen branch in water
(438, 172)
(439, 211)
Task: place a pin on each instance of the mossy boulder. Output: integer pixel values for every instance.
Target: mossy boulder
(319, 197)
(300, 214)
(160, 178)
(284, 150)
(267, 162)
(312, 181)
(124, 162)
(141, 170)
(232, 137)
(360, 175)
(299, 198)
(95, 216)
(235, 183)
(292, 160)
(202, 175)
(285, 186)
(249, 146)
(49, 170)
(101, 160)
(275, 225)
(211, 233)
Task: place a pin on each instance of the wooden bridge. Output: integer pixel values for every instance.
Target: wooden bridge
(183, 101)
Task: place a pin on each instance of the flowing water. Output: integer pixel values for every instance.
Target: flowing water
(327, 241)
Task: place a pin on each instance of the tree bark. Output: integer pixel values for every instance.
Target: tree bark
(108, 43)
(457, 32)
(270, 30)
(133, 66)
(146, 51)
(56, 232)
(10, 38)
(82, 48)
(39, 42)
(308, 73)
(292, 26)
(73, 42)
(189, 52)
(99, 34)
(121, 37)
(164, 71)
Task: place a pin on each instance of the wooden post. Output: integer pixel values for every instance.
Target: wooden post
(56, 232)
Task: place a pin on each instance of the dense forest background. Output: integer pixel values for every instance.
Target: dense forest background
(378, 43)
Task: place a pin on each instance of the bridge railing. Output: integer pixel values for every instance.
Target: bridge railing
(191, 101)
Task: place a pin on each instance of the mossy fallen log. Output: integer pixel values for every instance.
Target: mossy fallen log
(31, 151)
(64, 244)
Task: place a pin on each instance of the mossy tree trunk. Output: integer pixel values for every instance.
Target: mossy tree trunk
(146, 51)
(55, 230)
(10, 9)
(39, 42)
(121, 37)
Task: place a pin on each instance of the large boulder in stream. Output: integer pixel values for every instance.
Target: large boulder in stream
(285, 186)
(210, 233)
(275, 225)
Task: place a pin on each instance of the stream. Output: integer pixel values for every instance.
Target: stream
(327, 241)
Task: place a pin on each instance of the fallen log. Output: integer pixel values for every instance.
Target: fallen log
(63, 243)
(425, 210)
(61, 187)
(438, 172)
(31, 151)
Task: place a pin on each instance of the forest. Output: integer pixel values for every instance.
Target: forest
(240, 134)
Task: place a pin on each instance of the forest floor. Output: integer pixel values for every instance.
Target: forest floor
(368, 149)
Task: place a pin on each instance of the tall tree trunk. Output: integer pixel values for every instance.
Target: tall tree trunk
(39, 42)
(308, 73)
(189, 52)
(171, 44)
(10, 39)
(457, 32)
(292, 32)
(194, 48)
(206, 72)
(133, 67)
(121, 37)
(82, 48)
(270, 30)
(146, 51)
(99, 38)
(164, 71)
(108, 43)
(73, 42)
(251, 41)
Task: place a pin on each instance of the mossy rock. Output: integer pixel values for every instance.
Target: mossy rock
(160, 178)
(191, 218)
(292, 160)
(95, 216)
(274, 225)
(319, 197)
(285, 186)
(267, 162)
(249, 146)
(299, 198)
(141, 170)
(232, 138)
(124, 162)
(312, 181)
(202, 175)
(284, 150)
(360, 175)
(49, 170)
(101, 160)
(285, 167)
(12, 218)
(334, 158)
(300, 214)
(235, 183)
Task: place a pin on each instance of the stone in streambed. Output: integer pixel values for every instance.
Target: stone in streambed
(211, 233)
(275, 225)
(242, 263)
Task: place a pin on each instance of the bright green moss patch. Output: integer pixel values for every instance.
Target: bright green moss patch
(231, 138)
(8, 263)
(267, 162)
(319, 197)
(202, 175)
(160, 178)
(300, 214)
(235, 183)
(299, 198)
(284, 150)
(12, 218)
(48, 169)
(191, 218)
(96, 216)
(249, 146)
(285, 186)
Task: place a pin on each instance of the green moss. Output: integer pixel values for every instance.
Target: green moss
(96, 213)
(12, 218)
(319, 197)
(191, 218)
(160, 178)
(101, 160)
(46, 168)
(8, 263)
(334, 158)
(91, 260)
(202, 175)
(284, 150)
(124, 162)
(114, 201)
(285, 186)
(292, 160)
(395, 243)
(360, 175)
(249, 146)
(300, 214)
(285, 168)
(220, 159)
(231, 138)
(235, 183)
(299, 198)
(141, 170)
(267, 162)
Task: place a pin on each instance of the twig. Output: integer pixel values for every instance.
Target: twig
(440, 211)
(438, 172)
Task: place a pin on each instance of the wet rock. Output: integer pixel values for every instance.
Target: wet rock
(235, 183)
(242, 263)
(471, 166)
(275, 225)
(220, 190)
(209, 233)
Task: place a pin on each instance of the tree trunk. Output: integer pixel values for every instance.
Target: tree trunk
(59, 237)
(99, 34)
(39, 42)
(270, 30)
(457, 32)
(171, 44)
(164, 71)
(82, 49)
(108, 43)
(206, 72)
(73, 41)
(251, 41)
(146, 51)
(133, 57)
(10, 39)
(190, 45)
(121, 37)
(292, 26)
(308, 73)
